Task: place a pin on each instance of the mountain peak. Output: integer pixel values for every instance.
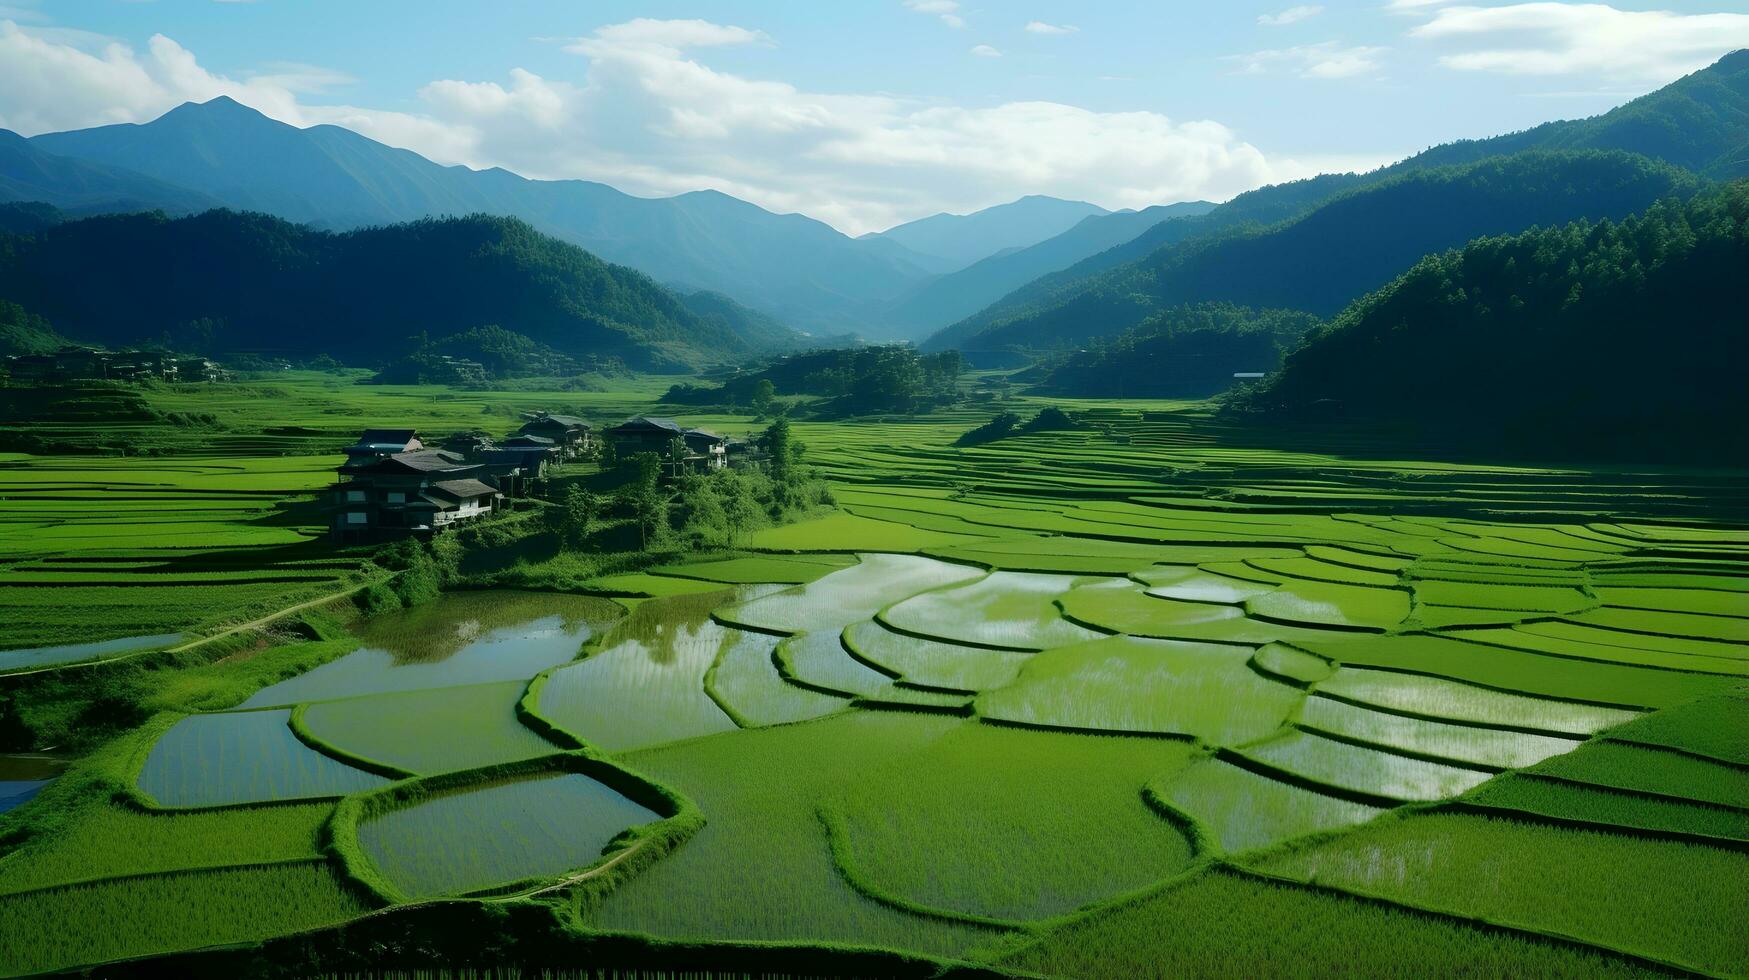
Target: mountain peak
(221, 107)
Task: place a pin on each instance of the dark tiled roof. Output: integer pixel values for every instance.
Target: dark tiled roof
(397, 436)
(640, 423)
(421, 461)
(526, 440)
(463, 489)
(702, 434)
(549, 421)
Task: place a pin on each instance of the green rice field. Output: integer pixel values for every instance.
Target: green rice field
(1136, 699)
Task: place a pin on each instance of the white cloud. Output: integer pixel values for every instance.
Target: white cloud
(947, 10)
(1583, 38)
(985, 51)
(1328, 59)
(1040, 27)
(1291, 15)
(647, 114)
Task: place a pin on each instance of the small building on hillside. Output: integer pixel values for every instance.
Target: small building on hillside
(645, 434)
(514, 470)
(421, 491)
(377, 444)
(568, 432)
(708, 449)
(651, 434)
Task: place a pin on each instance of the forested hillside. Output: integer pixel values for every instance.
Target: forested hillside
(1354, 243)
(23, 332)
(1699, 123)
(1182, 352)
(224, 281)
(1617, 339)
(794, 267)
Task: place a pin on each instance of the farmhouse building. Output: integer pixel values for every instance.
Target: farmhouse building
(568, 432)
(376, 444)
(651, 434)
(420, 491)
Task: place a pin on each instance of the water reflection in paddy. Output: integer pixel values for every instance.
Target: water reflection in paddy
(646, 683)
(462, 638)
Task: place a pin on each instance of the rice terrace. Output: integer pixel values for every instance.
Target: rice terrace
(412, 570)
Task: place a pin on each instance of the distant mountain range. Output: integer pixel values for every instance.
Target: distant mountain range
(225, 281)
(958, 240)
(1028, 273)
(1296, 244)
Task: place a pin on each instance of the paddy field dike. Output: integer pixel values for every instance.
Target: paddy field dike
(1151, 697)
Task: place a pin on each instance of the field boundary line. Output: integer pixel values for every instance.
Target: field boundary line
(165, 873)
(1522, 815)
(1478, 921)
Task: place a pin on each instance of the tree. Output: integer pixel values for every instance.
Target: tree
(777, 443)
(763, 393)
(577, 515)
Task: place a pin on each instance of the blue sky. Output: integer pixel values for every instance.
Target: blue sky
(868, 112)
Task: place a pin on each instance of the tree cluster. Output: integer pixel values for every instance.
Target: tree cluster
(1614, 339)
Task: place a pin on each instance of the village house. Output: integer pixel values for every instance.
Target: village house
(377, 444)
(413, 491)
(514, 470)
(568, 432)
(651, 434)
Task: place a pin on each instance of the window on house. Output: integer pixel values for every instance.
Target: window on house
(355, 496)
(397, 497)
(355, 517)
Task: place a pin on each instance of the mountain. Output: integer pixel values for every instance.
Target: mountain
(1699, 122)
(1621, 340)
(961, 239)
(1353, 244)
(225, 281)
(797, 269)
(951, 297)
(29, 173)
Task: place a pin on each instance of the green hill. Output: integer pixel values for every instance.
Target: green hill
(239, 282)
(1699, 122)
(1354, 243)
(1613, 340)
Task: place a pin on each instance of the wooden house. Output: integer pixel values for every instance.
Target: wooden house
(568, 432)
(422, 491)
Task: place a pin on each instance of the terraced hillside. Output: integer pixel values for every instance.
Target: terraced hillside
(1134, 699)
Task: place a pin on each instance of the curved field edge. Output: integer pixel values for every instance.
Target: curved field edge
(629, 852)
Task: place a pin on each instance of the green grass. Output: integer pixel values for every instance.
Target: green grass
(465, 840)
(931, 663)
(746, 684)
(1318, 535)
(1595, 804)
(1373, 773)
(844, 597)
(106, 920)
(106, 840)
(242, 757)
(1716, 727)
(431, 731)
(1223, 924)
(1130, 684)
(763, 853)
(1242, 809)
(1009, 610)
(1418, 736)
(1438, 698)
(1030, 847)
(1611, 763)
(1675, 901)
